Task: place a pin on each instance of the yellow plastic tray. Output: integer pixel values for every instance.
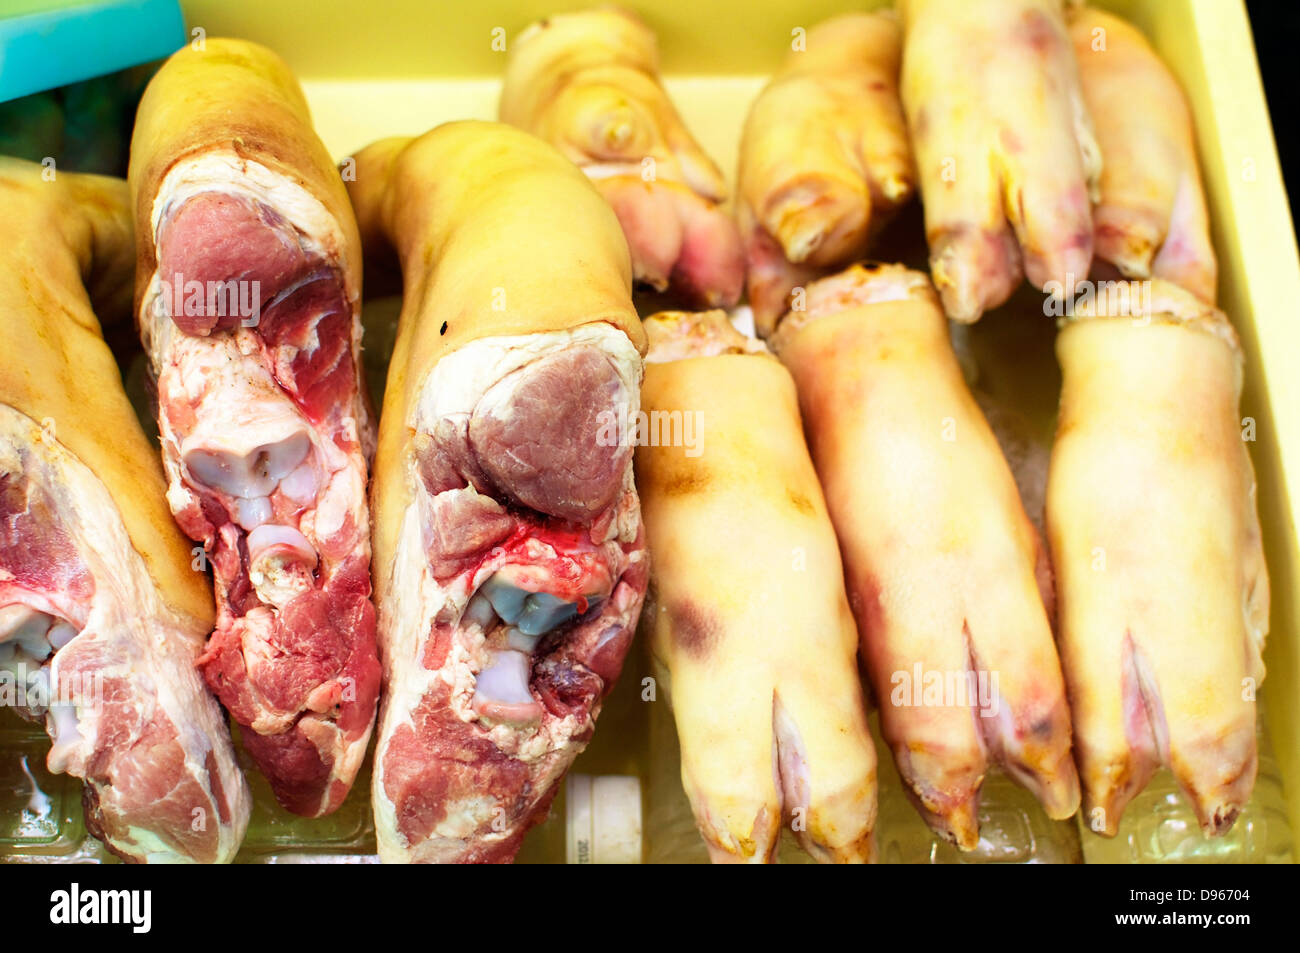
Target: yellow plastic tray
(411, 65)
(402, 67)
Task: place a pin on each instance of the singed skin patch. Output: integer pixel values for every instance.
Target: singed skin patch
(694, 480)
(800, 502)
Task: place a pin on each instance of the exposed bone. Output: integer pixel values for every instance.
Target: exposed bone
(302, 484)
(533, 612)
(60, 634)
(250, 514)
(223, 464)
(281, 540)
(281, 561)
(522, 641)
(479, 612)
(64, 729)
(501, 689)
(23, 632)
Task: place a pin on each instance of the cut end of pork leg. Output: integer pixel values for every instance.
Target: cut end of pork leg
(253, 334)
(514, 592)
(513, 688)
(215, 239)
(107, 665)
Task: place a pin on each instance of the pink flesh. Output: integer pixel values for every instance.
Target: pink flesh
(272, 666)
(42, 568)
(536, 434)
(439, 761)
(141, 769)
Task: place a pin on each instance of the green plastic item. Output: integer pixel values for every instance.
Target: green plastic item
(46, 44)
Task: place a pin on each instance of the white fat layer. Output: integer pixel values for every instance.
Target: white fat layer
(139, 637)
(460, 380)
(454, 388)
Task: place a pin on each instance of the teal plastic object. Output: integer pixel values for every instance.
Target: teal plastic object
(45, 45)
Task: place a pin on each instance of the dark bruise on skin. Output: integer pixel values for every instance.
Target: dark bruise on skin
(695, 629)
(1042, 729)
